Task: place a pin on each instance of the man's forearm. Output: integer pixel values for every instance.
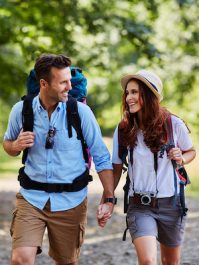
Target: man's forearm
(11, 148)
(106, 177)
(23, 141)
(105, 209)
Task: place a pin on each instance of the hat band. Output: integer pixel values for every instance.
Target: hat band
(152, 85)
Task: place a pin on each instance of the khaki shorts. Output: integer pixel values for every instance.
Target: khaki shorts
(66, 229)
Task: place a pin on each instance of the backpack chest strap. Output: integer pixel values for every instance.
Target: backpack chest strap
(78, 184)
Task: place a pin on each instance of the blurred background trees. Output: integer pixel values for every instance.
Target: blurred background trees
(107, 39)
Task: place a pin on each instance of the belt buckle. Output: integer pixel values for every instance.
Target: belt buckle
(49, 188)
(54, 188)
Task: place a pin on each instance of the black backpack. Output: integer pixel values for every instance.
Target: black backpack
(73, 120)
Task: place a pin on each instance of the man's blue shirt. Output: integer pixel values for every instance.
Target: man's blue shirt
(65, 161)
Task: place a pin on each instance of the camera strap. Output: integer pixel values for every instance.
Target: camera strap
(155, 155)
(155, 158)
(127, 185)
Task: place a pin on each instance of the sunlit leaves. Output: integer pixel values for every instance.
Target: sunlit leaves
(108, 38)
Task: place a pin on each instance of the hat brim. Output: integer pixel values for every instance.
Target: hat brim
(127, 78)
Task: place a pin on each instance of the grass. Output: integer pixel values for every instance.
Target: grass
(192, 190)
(9, 168)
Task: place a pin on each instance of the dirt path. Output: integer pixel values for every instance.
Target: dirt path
(102, 246)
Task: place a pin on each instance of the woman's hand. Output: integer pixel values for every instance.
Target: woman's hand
(176, 154)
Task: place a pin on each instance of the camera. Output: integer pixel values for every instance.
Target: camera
(146, 197)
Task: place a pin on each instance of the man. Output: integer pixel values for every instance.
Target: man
(53, 157)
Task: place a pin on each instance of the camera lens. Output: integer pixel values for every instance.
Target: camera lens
(145, 199)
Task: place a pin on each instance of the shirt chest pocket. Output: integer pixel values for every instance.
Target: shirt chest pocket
(40, 139)
(63, 142)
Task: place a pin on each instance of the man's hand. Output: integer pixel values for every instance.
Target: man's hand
(23, 141)
(105, 209)
(104, 213)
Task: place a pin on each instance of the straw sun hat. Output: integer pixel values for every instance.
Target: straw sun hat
(152, 81)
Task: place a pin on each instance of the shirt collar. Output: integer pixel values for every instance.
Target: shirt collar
(40, 107)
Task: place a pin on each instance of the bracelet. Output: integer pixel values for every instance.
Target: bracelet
(111, 200)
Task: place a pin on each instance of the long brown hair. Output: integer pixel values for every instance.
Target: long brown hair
(153, 120)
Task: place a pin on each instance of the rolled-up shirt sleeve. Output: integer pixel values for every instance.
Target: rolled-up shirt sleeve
(14, 122)
(93, 138)
(182, 134)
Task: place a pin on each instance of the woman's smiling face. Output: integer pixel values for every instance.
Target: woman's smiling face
(133, 97)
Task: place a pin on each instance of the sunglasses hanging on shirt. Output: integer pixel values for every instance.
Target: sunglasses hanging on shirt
(50, 138)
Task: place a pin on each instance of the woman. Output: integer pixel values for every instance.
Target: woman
(154, 210)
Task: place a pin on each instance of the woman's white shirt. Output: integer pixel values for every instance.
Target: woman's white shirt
(143, 177)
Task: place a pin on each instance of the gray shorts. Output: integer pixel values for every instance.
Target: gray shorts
(163, 222)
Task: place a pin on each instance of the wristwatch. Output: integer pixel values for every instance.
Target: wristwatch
(111, 200)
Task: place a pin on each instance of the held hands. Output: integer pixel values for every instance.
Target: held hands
(176, 154)
(104, 213)
(23, 141)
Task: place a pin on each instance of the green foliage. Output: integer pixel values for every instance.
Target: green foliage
(107, 39)
(4, 112)
(8, 166)
(193, 189)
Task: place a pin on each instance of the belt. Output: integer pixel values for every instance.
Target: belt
(143, 199)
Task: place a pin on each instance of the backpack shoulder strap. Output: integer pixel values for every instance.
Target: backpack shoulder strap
(170, 131)
(27, 119)
(123, 153)
(122, 150)
(179, 172)
(73, 120)
(170, 137)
